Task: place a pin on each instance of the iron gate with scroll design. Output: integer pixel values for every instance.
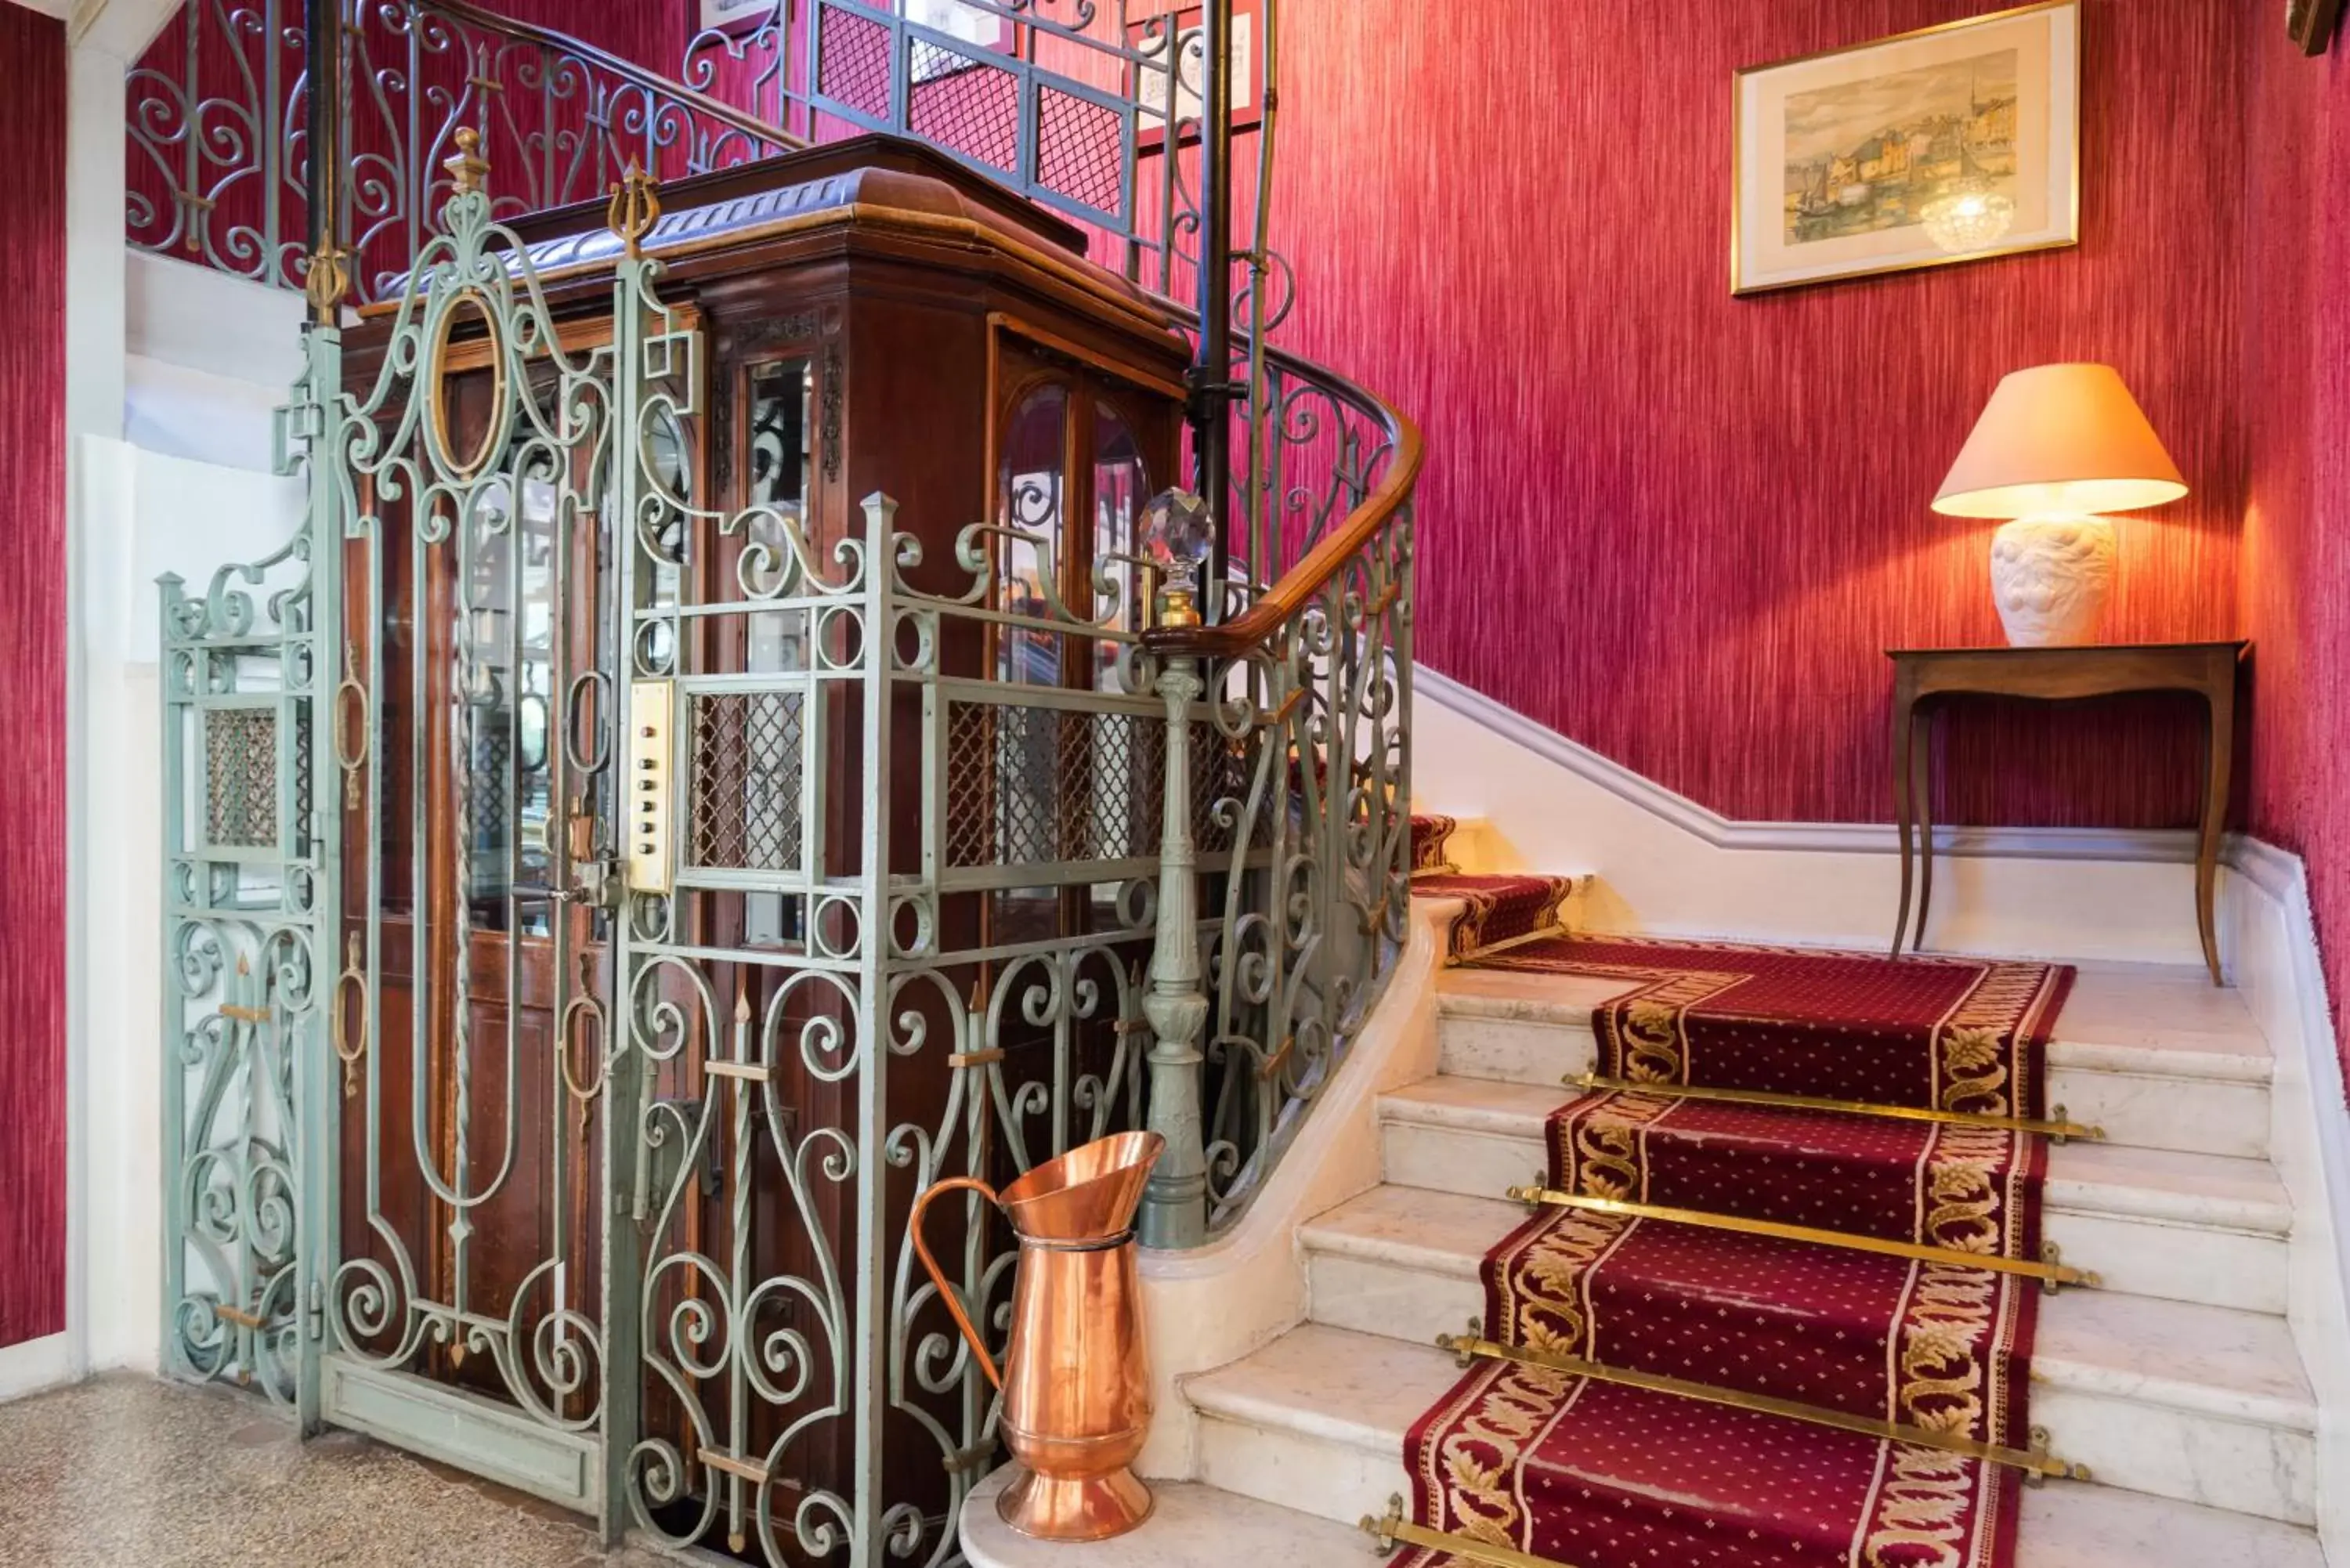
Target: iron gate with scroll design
(577, 1155)
(248, 846)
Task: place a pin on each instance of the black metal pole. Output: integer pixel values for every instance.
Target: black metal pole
(324, 21)
(1212, 372)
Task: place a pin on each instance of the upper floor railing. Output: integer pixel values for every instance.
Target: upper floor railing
(1281, 876)
(1067, 101)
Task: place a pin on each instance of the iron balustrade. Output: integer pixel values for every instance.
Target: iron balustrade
(1075, 104)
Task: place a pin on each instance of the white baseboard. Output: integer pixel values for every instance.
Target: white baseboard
(37, 1364)
(2272, 943)
(1667, 865)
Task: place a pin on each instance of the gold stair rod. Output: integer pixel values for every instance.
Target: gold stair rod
(2058, 1128)
(1557, 929)
(1394, 1529)
(2050, 1269)
(2038, 1463)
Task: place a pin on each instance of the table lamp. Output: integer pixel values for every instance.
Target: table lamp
(2057, 447)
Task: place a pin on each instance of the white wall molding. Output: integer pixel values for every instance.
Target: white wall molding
(201, 318)
(1709, 827)
(96, 114)
(2270, 939)
(1664, 864)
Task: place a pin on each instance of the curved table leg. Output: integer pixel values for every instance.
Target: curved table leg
(1922, 791)
(2219, 746)
(1901, 731)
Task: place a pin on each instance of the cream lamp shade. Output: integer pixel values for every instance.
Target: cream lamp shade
(2057, 446)
(2066, 440)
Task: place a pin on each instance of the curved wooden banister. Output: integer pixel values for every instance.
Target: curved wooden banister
(1284, 598)
(637, 75)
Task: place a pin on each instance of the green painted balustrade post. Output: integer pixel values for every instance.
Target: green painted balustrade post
(1175, 1203)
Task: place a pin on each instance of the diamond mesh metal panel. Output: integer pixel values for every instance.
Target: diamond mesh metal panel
(241, 778)
(486, 780)
(745, 767)
(1037, 786)
(963, 103)
(1079, 151)
(853, 61)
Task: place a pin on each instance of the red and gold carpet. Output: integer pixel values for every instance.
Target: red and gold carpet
(1500, 909)
(1670, 1452)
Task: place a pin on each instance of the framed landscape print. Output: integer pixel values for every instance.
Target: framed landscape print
(1948, 144)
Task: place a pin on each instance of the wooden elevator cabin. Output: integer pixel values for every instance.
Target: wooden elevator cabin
(873, 319)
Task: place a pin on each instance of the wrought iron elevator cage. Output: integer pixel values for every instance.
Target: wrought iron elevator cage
(573, 1144)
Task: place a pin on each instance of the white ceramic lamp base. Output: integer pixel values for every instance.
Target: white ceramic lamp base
(2051, 577)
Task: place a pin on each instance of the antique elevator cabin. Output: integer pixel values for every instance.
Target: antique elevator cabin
(738, 813)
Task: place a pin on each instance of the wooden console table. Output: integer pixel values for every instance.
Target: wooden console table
(1924, 678)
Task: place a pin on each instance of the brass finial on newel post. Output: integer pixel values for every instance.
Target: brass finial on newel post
(635, 208)
(468, 169)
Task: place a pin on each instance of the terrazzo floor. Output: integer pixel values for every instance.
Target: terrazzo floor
(128, 1473)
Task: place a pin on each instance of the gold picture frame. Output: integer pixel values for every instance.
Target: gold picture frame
(2311, 23)
(1952, 143)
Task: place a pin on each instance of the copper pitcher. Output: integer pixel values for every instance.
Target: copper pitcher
(1077, 1391)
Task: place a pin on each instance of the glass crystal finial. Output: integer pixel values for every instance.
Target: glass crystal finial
(1176, 533)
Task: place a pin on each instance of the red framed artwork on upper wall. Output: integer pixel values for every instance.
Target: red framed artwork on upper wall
(1150, 33)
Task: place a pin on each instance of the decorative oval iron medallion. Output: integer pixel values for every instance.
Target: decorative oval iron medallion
(451, 357)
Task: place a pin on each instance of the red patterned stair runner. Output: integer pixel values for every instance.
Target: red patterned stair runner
(1647, 1392)
(1500, 910)
(1431, 843)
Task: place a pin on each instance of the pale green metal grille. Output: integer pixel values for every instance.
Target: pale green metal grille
(747, 762)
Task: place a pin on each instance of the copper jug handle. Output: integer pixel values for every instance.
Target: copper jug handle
(947, 1291)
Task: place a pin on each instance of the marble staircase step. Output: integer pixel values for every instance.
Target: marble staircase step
(2203, 1227)
(1315, 1422)
(2156, 1054)
(1199, 1526)
(2200, 1403)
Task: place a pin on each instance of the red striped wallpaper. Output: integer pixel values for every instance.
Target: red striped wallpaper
(32, 698)
(1682, 528)
(2294, 570)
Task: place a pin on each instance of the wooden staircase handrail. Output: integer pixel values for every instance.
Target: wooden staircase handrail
(1257, 624)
